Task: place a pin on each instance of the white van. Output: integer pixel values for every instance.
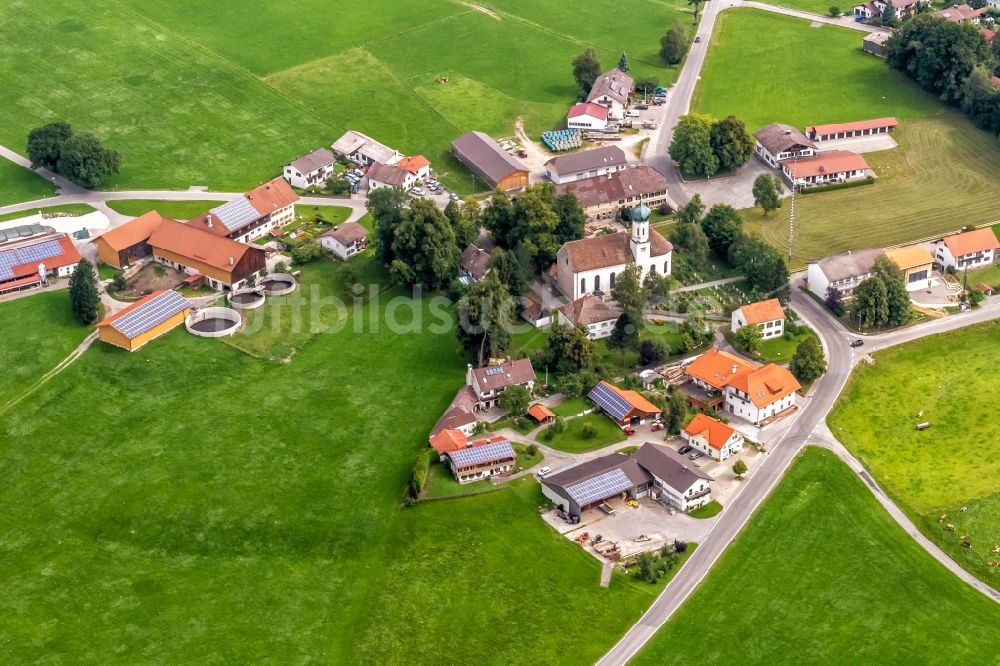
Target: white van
(632, 113)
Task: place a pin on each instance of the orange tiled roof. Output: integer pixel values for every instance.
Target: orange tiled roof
(835, 161)
(970, 242)
(413, 164)
(718, 368)
(540, 412)
(762, 311)
(193, 243)
(716, 432)
(271, 196)
(833, 128)
(767, 384)
(448, 440)
(910, 256)
(132, 232)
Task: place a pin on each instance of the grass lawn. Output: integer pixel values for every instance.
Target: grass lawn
(192, 503)
(899, 207)
(328, 214)
(301, 89)
(106, 272)
(521, 424)
(741, 72)
(573, 406)
(947, 380)
(990, 275)
(46, 332)
(780, 350)
(572, 440)
(18, 184)
(177, 210)
(711, 509)
(75, 209)
(441, 483)
(688, 274)
(822, 573)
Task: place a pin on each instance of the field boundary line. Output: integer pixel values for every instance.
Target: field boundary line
(41, 381)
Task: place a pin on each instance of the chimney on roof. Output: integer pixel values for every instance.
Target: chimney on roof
(208, 220)
(231, 262)
(734, 369)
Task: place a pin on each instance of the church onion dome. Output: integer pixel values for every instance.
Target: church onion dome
(641, 213)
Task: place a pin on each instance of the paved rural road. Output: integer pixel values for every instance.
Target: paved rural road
(809, 426)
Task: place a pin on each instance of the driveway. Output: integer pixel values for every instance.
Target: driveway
(862, 144)
(735, 189)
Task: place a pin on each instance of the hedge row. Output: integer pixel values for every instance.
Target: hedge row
(839, 186)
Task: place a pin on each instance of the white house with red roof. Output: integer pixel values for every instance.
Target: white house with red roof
(835, 166)
(587, 116)
(767, 315)
(712, 437)
(490, 381)
(875, 8)
(263, 209)
(30, 261)
(418, 165)
(592, 313)
(474, 460)
(969, 249)
(759, 394)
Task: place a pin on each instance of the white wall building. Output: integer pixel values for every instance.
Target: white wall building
(767, 315)
(346, 240)
(592, 313)
(587, 116)
(777, 142)
(612, 90)
(586, 164)
(312, 170)
(970, 249)
(712, 437)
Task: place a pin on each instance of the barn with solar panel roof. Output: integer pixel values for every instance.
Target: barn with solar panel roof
(144, 320)
(625, 407)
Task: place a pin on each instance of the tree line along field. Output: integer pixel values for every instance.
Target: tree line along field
(946, 380)
(822, 574)
(194, 503)
(240, 89)
(932, 183)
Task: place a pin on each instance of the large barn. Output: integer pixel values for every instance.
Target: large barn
(144, 320)
(129, 242)
(489, 162)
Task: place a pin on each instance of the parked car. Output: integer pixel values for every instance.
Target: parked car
(416, 191)
(454, 197)
(544, 471)
(656, 428)
(642, 107)
(684, 449)
(857, 342)
(629, 430)
(694, 455)
(632, 113)
(697, 39)
(659, 101)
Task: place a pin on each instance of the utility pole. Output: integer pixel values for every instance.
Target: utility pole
(791, 217)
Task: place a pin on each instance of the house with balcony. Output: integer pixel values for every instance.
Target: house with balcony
(758, 394)
(674, 479)
(712, 437)
(967, 250)
(776, 143)
(490, 381)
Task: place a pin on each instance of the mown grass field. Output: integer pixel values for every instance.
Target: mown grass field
(229, 116)
(800, 75)
(193, 503)
(572, 439)
(947, 380)
(176, 210)
(822, 574)
(39, 333)
(18, 184)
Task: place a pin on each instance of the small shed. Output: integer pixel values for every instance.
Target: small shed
(541, 413)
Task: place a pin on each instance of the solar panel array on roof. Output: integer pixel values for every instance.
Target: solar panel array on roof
(496, 370)
(27, 255)
(150, 314)
(609, 401)
(236, 213)
(482, 454)
(600, 487)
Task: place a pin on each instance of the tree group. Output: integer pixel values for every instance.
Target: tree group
(881, 300)
(586, 69)
(703, 146)
(79, 157)
(674, 44)
(536, 224)
(952, 60)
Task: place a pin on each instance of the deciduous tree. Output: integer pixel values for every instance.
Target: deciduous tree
(45, 144)
(871, 303)
(739, 469)
(767, 192)
(508, 270)
(628, 292)
(722, 225)
(586, 69)
(897, 297)
(386, 207)
(572, 218)
(694, 242)
(692, 211)
(808, 363)
(466, 231)
(674, 44)
(85, 161)
(515, 399)
(697, 5)
(748, 338)
(570, 350)
(732, 145)
(486, 316)
(498, 218)
(692, 145)
(423, 247)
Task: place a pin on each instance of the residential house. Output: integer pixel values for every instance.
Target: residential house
(345, 240)
(587, 116)
(604, 197)
(490, 381)
(591, 312)
(474, 264)
(127, 243)
(390, 175)
(225, 263)
(835, 166)
(675, 480)
(625, 407)
(459, 416)
(712, 437)
(856, 129)
(585, 164)
(776, 143)
(258, 212)
(591, 265)
(364, 150)
(30, 261)
(962, 14)
(146, 319)
(969, 249)
(589, 484)
(915, 262)
(874, 8)
(481, 459)
(490, 163)
(312, 170)
(417, 165)
(767, 315)
(612, 90)
(842, 272)
(759, 394)
(874, 43)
